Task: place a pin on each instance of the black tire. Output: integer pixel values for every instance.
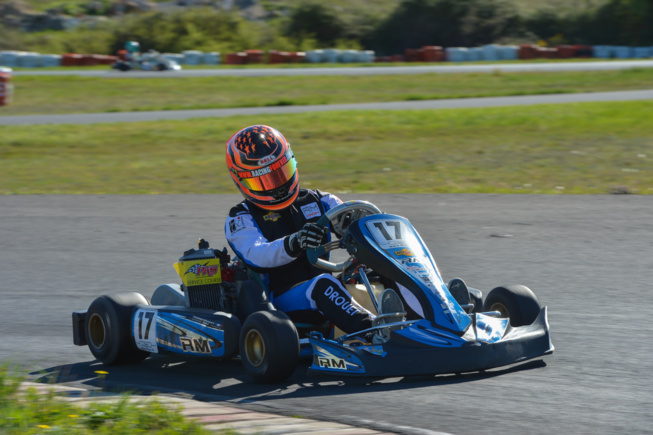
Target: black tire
(269, 346)
(517, 302)
(108, 328)
(251, 298)
(476, 297)
(123, 66)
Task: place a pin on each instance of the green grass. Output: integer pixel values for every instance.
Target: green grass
(26, 411)
(588, 148)
(71, 94)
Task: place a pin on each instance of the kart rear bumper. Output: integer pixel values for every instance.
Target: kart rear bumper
(400, 357)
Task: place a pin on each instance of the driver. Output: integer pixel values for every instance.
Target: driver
(272, 228)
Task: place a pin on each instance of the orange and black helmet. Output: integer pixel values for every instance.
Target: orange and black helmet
(263, 167)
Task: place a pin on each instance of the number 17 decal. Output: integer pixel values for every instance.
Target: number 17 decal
(387, 233)
(383, 227)
(144, 330)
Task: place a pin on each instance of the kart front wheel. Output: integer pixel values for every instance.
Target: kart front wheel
(517, 302)
(108, 328)
(269, 346)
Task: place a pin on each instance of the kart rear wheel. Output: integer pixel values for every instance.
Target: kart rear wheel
(269, 346)
(108, 328)
(517, 302)
(123, 66)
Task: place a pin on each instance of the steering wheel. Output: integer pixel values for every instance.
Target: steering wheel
(340, 217)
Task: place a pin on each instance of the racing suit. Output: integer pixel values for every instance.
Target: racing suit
(305, 293)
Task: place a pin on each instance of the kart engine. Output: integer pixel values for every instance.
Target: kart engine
(209, 278)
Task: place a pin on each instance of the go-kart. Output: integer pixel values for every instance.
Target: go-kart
(149, 61)
(221, 310)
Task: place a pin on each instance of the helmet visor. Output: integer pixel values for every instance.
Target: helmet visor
(269, 177)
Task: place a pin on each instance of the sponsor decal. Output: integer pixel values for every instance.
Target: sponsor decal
(409, 260)
(195, 345)
(200, 270)
(194, 273)
(311, 210)
(331, 363)
(236, 224)
(279, 163)
(405, 253)
(415, 268)
(265, 170)
(333, 359)
(426, 279)
(272, 216)
(204, 322)
(259, 172)
(324, 358)
(266, 160)
(341, 301)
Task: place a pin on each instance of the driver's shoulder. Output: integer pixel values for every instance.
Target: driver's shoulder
(316, 194)
(239, 209)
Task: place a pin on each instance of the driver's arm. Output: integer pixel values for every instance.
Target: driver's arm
(249, 244)
(328, 200)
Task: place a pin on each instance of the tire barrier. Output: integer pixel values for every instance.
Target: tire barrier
(236, 58)
(6, 88)
(490, 52)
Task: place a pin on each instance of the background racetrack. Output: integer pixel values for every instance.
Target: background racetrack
(589, 258)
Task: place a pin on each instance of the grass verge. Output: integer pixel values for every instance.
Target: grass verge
(582, 148)
(73, 94)
(24, 411)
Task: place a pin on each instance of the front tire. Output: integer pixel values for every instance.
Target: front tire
(108, 328)
(517, 302)
(476, 297)
(269, 346)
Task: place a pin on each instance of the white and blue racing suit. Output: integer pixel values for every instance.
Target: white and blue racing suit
(259, 237)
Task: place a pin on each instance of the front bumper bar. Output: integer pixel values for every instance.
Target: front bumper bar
(400, 357)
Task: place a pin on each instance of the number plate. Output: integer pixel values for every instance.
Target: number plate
(144, 330)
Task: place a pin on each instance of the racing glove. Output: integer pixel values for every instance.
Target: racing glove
(310, 236)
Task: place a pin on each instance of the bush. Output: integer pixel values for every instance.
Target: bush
(617, 22)
(315, 21)
(449, 23)
(312, 24)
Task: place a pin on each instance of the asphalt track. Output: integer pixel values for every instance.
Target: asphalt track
(524, 100)
(588, 258)
(93, 118)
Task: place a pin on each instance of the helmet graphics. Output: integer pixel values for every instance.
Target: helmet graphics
(263, 167)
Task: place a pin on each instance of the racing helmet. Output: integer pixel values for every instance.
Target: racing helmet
(263, 167)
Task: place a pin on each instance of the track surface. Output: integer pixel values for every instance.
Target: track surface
(589, 258)
(524, 100)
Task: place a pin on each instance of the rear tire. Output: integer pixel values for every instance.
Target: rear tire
(108, 328)
(516, 302)
(269, 346)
